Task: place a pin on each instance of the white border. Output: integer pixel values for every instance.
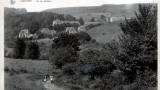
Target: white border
(4, 3)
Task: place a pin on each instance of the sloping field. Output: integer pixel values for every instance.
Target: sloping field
(105, 33)
(29, 66)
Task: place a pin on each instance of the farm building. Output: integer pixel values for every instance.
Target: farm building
(81, 28)
(71, 30)
(23, 33)
(57, 21)
(117, 19)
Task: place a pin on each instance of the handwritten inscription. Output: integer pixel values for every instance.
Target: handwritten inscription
(14, 1)
(43, 0)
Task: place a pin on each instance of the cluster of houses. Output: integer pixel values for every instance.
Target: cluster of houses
(24, 33)
(57, 21)
(108, 18)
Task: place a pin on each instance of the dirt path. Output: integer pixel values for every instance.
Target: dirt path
(49, 86)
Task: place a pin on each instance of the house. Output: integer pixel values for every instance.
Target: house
(71, 30)
(23, 33)
(117, 19)
(58, 22)
(108, 19)
(82, 28)
(33, 36)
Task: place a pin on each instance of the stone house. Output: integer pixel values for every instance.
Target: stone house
(71, 30)
(24, 33)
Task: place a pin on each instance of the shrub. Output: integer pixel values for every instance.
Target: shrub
(69, 69)
(62, 56)
(19, 48)
(81, 21)
(32, 50)
(83, 37)
(93, 62)
(66, 40)
(44, 48)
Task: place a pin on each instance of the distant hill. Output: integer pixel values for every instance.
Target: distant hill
(14, 11)
(126, 10)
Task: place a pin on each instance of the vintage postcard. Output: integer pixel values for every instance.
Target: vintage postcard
(80, 45)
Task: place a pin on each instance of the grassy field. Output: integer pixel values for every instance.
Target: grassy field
(23, 74)
(105, 32)
(23, 82)
(29, 66)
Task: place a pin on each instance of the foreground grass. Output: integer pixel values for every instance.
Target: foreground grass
(41, 67)
(23, 74)
(23, 82)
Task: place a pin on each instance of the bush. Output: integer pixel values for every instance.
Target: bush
(62, 56)
(83, 37)
(44, 48)
(93, 62)
(66, 40)
(81, 21)
(19, 48)
(32, 50)
(69, 69)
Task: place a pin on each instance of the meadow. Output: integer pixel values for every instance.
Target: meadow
(105, 32)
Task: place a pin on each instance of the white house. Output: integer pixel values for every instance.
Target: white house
(82, 28)
(71, 30)
(23, 33)
(57, 21)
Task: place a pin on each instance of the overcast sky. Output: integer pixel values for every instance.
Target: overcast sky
(39, 6)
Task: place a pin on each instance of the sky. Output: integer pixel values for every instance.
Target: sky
(35, 6)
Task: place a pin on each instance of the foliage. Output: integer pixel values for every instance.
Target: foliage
(44, 48)
(83, 37)
(138, 44)
(67, 40)
(34, 27)
(94, 62)
(32, 50)
(69, 69)
(19, 49)
(92, 19)
(64, 49)
(62, 56)
(81, 21)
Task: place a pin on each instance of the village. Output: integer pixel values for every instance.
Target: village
(107, 47)
(24, 33)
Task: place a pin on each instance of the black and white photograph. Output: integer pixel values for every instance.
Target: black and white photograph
(80, 45)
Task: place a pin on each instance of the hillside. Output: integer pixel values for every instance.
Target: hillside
(92, 11)
(105, 33)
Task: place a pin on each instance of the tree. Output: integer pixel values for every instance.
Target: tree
(92, 19)
(63, 56)
(64, 50)
(34, 27)
(95, 63)
(19, 48)
(65, 39)
(32, 50)
(103, 17)
(83, 37)
(81, 21)
(138, 44)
